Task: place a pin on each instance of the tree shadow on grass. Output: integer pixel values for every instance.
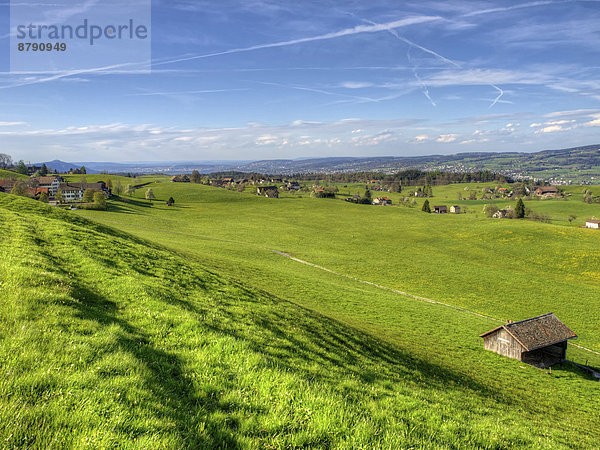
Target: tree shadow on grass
(170, 397)
(124, 203)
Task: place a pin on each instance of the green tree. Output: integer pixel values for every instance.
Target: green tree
(490, 210)
(109, 184)
(150, 195)
(99, 200)
(426, 207)
(82, 170)
(117, 189)
(129, 190)
(59, 196)
(572, 217)
(170, 202)
(368, 194)
(395, 187)
(44, 170)
(520, 209)
(21, 168)
(88, 195)
(43, 197)
(5, 160)
(195, 177)
(19, 188)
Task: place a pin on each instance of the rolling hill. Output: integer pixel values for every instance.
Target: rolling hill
(112, 340)
(574, 165)
(9, 174)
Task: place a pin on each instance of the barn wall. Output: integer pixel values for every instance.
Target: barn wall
(503, 343)
(547, 356)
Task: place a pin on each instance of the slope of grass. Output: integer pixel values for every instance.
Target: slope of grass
(10, 175)
(111, 341)
(507, 269)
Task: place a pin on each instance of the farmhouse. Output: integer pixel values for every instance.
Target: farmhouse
(455, 209)
(382, 201)
(441, 209)
(73, 192)
(540, 341)
(592, 223)
(546, 191)
(500, 214)
(180, 179)
(268, 191)
(52, 183)
(35, 192)
(7, 185)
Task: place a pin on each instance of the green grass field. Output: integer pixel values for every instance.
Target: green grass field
(191, 331)
(9, 174)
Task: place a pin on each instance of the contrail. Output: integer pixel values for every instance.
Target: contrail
(322, 37)
(424, 87)
(501, 93)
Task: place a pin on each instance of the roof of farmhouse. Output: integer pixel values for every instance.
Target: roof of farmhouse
(537, 332)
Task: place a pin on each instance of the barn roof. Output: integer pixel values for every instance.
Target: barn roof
(537, 332)
(592, 221)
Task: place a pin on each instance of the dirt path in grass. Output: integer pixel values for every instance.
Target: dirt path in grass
(396, 291)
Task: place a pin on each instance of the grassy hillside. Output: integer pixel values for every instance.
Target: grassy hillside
(9, 174)
(111, 340)
(508, 269)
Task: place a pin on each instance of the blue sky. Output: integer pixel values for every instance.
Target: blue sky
(286, 79)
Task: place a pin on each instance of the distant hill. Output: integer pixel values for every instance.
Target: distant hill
(576, 165)
(64, 167)
(572, 165)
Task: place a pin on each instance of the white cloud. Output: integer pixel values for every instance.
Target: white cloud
(551, 129)
(447, 138)
(355, 84)
(593, 123)
(573, 112)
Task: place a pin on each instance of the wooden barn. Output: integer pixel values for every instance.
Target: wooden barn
(540, 341)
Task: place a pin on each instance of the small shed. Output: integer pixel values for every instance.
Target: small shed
(455, 209)
(442, 209)
(546, 191)
(540, 341)
(592, 223)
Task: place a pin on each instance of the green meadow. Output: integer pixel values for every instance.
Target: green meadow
(188, 326)
(9, 174)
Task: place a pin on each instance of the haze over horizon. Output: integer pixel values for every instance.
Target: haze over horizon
(251, 80)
